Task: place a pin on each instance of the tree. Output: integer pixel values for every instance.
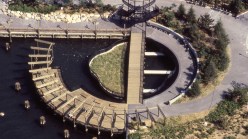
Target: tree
(221, 60)
(205, 21)
(193, 32)
(239, 95)
(191, 17)
(181, 12)
(167, 18)
(220, 33)
(210, 72)
(236, 6)
(195, 90)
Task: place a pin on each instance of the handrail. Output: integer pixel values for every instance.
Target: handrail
(192, 50)
(68, 30)
(138, 7)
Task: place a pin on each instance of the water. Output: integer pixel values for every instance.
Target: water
(18, 123)
(166, 62)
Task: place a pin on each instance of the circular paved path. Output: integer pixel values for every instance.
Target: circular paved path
(237, 30)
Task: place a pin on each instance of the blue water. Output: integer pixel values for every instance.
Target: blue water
(19, 123)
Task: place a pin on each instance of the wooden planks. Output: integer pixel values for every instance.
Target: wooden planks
(134, 67)
(39, 70)
(39, 56)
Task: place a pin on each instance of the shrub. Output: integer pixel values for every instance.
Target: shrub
(221, 59)
(210, 72)
(210, 130)
(225, 107)
(195, 90)
(191, 17)
(238, 95)
(193, 32)
(229, 137)
(135, 135)
(181, 12)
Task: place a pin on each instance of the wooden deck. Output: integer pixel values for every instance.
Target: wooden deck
(78, 106)
(134, 69)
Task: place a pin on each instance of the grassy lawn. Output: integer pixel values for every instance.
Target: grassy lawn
(109, 68)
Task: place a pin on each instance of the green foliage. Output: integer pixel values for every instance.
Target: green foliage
(33, 7)
(224, 108)
(195, 90)
(236, 6)
(108, 67)
(229, 137)
(239, 94)
(220, 32)
(191, 17)
(205, 21)
(211, 130)
(210, 72)
(193, 32)
(168, 131)
(221, 59)
(181, 12)
(135, 135)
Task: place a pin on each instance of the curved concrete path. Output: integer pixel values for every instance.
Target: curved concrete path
(237, 30)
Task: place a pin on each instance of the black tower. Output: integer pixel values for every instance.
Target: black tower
(137, 10)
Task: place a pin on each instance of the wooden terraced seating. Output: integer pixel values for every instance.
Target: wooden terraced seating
(41, 77)
(39, 62)
(59, 97)
(66, 103)
(40, 49)
(46, 83)
(39, 56)
(39, 70)
(53, 90)
(76, 108)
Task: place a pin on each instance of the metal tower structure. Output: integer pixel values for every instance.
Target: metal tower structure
(138, 10)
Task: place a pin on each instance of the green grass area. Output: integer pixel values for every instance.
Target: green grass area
(109, 68)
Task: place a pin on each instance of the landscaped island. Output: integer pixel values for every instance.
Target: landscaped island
(108, 68)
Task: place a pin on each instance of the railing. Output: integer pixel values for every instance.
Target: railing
(73, 30)
(142, 66)
(191, 50)
(138, 7)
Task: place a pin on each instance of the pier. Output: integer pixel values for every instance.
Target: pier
(64, 33)
(134, 88)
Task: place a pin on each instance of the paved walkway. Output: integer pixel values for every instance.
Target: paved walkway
(133, 87)
(237, 30)
(185, 71)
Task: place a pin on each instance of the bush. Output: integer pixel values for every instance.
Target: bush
(221, 59)
(135, 135)
(211, 130)
(195, 90)
(191, 17)
(193, 32)
(224, 108)
(238, 95)
(209, 72)
(33, 7)
(181, 12)
(229, 137)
